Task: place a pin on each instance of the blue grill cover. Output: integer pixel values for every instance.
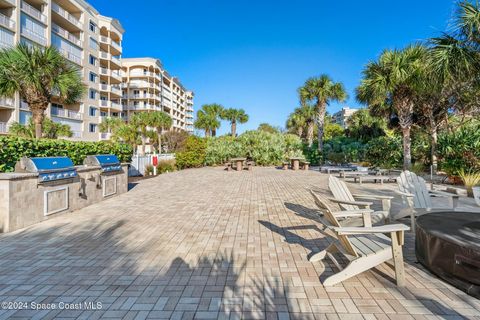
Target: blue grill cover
(52, 163)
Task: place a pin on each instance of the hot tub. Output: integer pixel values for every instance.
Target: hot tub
(448, 244)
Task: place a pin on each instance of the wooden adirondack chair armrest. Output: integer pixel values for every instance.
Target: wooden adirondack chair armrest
(372, 197)
(355, 203)
(438, 193)
(388, 228)
(404, 194)
(351, 213)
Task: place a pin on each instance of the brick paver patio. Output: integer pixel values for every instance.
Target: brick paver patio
(206, 244)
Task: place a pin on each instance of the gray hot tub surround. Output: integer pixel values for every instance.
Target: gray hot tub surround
(55, 187)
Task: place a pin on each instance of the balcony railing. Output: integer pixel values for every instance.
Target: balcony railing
(115, 74)
(38, 38)
(116, 45)
(7, 102)
(116, 90)
(67, 15)
(105, 135)
(70, 56)
(105, 39)
(5, 45)
(76, 134)
(32, 11)
(65, 113)
(67, 35)
(104, 103)
(24, 105)
(104, 71)
(116, 61)
(7, 22)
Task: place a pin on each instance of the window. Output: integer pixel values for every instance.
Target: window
(103, 114)
(92, 94)
(93, 43)
(92, 111)
(115, 114)
(93, 77)
(93, 27)
(92, 127)
(92, 60)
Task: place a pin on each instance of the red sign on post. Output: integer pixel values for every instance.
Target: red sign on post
(155, 160)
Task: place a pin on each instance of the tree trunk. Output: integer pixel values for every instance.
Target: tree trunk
(433, 142)
(300, 132)
(214, 132)
(38, 115)
(144, 143)
(310, 128)
(207, 132)
(321, 123)
(159, 137)
(234, 129)
(407, 155)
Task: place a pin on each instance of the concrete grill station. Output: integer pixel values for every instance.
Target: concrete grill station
(41, 188)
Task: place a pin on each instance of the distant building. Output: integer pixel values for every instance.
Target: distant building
(342, 116)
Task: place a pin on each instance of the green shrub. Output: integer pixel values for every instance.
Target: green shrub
(13, 148)
(459, 150)
(311, 153)
(421, 148)
(192, 154)
(221, 149)
(336, 157)
(164, 166)
(267, 148)
(385, 152)
(148, 170)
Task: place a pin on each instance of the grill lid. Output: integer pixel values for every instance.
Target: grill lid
(108, 162)
(48, 168)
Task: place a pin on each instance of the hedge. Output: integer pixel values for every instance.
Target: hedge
(13, 148)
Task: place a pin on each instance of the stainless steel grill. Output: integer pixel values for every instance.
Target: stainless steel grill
(108, 162)
(48, 168)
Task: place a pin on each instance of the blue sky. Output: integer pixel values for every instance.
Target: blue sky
(255, 54)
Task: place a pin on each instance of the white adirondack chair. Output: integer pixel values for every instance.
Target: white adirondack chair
(347, 201)
(417, 199)
(365, 247)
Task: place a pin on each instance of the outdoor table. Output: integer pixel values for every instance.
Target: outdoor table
(238, 163)
(295, 163)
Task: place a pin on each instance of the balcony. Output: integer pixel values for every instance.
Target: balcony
(24, 106)
(7, 102)
(116, 91)
(33, 12)
(105, 135)
(116, 75)
(76, 134)
(65, 113)
(3, 127)
(117, 46)
(70, 56)
(38, 38)
(140, 73)
(66, 35)
(110, 104)
(7, 22)
(11, 2)
(4, 44)
(66, 15)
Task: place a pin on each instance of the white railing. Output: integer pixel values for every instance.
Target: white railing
(116, 90)
(65, 113)
(32, 11)
(70, 56)
(104, 87)
(116, 105)
(115, 74)
(116, 61)
(65, 34)
(34, 36)
(3, 127)
(138, 164)
(116, 45)
(6, 21)
(105, 39)
(105, 71)
(76, 134)
(104, 103)
(104, 55)
(5, 45)
(7, 102)
(67, 15)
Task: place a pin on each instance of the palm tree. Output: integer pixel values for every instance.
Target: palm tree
(39, 74)
(208, 119)
(394, 78)
(128, 134)
(234, 116)
(320, 91)
(141, 121)
(109, 124)
(296, 123)
(308, 114)
(51, 129)
(213, 111)
(160, 120)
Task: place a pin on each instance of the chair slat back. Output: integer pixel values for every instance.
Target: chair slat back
(322, 203)
(409, 182)
(340, 191)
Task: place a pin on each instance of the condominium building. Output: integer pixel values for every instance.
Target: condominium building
(82, 35)
(147, 86)
(342, 116)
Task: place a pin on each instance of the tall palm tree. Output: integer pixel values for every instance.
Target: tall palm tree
(161, 121)
(39, 74)
(320, 91)
(395, 78)
(234, 116)
(51, 129)
(203, 122)
(141, 121)
(128, 134)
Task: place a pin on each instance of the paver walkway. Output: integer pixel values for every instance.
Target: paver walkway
(208, 244)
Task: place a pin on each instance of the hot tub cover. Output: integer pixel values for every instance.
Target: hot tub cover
(448, 244)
